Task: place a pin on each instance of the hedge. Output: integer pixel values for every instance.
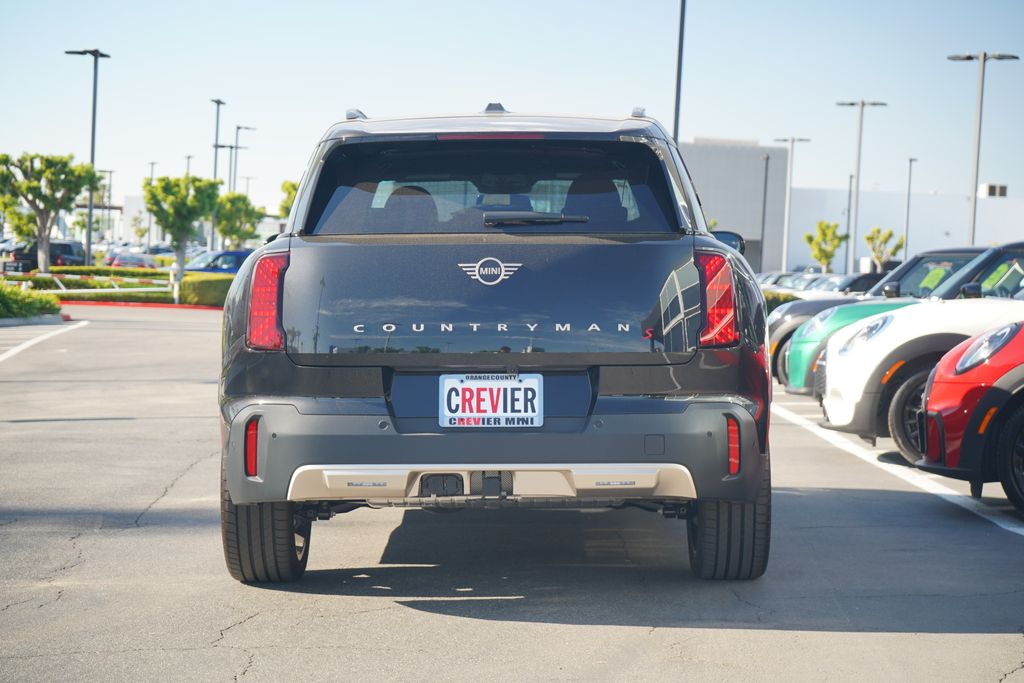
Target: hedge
(49, 284)
(201, 289)
(15, 303)
(776, 299)
(205, 289)
(107, 271)
(121, 296)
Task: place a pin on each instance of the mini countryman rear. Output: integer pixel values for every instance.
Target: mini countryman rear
(495, 311)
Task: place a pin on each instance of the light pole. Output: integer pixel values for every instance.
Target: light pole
(188, 164)
(149, 216)
(679, 70)
(789, 194)
(96, 55)
(906, 214)
(247, 178)
(211, 243)
(234, 160)
(852, 232)
(981, 58)
(108, 200)
(849, 199)
(764, 206)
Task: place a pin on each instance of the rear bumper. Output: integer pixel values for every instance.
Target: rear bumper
(679, 454)
(529, 484)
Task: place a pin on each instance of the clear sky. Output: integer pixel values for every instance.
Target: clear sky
(752, 70)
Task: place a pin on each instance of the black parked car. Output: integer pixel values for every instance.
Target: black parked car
(495, 311)
(25, 256)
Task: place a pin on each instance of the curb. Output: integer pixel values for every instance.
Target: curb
(141, 304)
(54, 319)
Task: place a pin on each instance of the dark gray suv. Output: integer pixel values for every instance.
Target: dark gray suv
(492, 311)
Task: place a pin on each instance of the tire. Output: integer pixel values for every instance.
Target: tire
(1010, 458)
(731, 540)
(903, 408)
(782, 364)
(263, 542)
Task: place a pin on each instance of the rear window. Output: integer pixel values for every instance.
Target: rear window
(452, 186)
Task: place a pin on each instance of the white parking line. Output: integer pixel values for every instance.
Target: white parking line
(915, 478)
(10, 353)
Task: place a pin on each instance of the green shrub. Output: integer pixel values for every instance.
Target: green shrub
(205, 289)
(15, 303)
(110, 295)
(776, 299)
(49, 284)
(165, 260)
(107, 271)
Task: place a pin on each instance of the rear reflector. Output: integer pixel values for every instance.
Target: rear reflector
(733, 428)
(265, 330)
(719, 300)
(252, 433)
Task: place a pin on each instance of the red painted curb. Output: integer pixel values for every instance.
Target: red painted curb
(140, 304)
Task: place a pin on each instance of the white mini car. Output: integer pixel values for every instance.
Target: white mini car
(876, 370)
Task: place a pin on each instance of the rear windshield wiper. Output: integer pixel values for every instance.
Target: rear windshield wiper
(493, 219)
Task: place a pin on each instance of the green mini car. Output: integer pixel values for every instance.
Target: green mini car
(811, 338)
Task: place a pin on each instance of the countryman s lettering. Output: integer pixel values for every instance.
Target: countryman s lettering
(494, 311)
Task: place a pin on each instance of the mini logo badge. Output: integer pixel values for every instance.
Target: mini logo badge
(490, 271)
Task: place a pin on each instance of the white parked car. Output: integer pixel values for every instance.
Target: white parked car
(876, 370)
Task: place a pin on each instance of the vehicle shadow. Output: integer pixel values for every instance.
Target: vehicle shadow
(842, 560)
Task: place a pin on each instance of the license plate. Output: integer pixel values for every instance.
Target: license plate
(489, 401)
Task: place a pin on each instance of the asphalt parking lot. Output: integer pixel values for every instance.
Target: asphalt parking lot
(111, 564)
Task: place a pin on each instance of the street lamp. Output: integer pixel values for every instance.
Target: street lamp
(849, 200)
(188, 164)
(906, 215)
(211, 243)
(109, 200)
(789, 193)
(860, 104)
(981, 58)
(247, 178)
(149, 216)
(764, 205)
(234, 157)
(679, 70)
(96, 55)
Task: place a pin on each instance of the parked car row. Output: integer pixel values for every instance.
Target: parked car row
(940, 370)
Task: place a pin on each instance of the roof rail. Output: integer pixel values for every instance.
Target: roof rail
(495, 108)
(639, 112)
(353, 114)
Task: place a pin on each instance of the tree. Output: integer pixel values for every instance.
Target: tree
(47, 185)
(824, 243)
(881, 252)
(289, 187)
(138, 228)
(237, 219)
(176, 205)
(16, 215)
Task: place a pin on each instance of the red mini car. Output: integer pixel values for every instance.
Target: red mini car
(972, 423)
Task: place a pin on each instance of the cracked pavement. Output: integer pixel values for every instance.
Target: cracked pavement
(111, 566)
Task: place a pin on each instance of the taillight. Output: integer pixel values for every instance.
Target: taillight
(719, 300)
(265, 331)
(733, 429)
(252, 434)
